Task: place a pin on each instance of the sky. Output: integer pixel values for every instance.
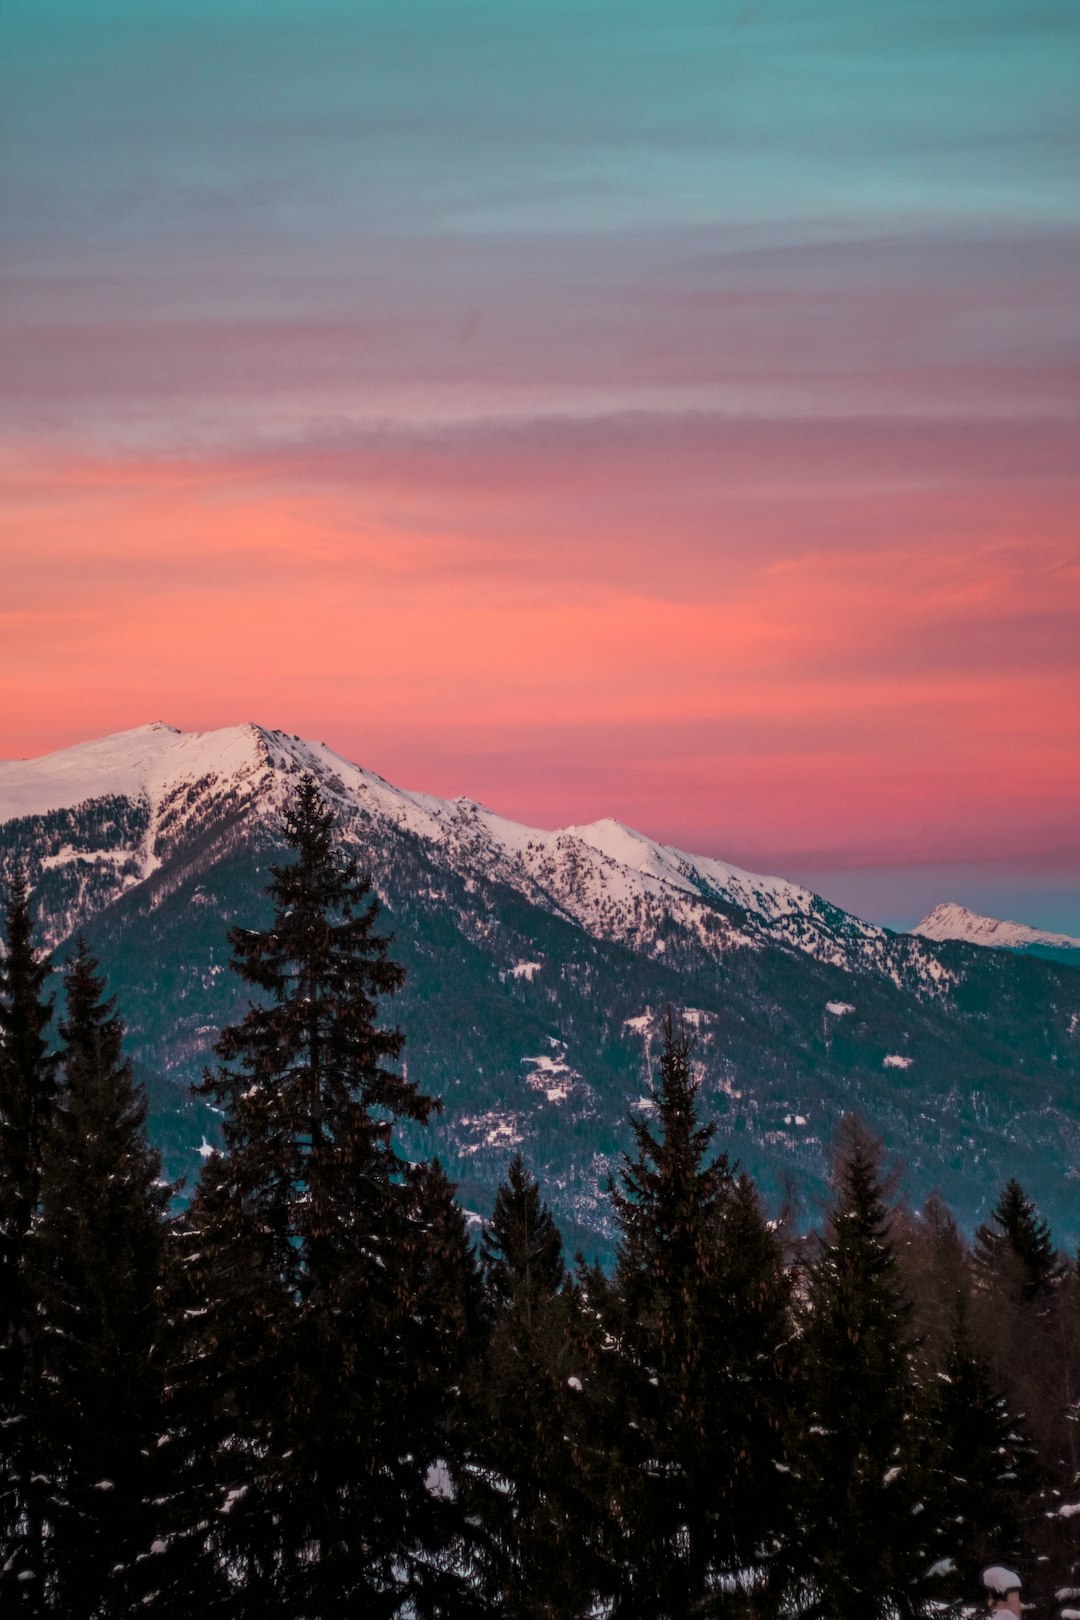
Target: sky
(663, 410)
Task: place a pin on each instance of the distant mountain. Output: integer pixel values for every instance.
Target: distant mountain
(538, 967)
(952, 921)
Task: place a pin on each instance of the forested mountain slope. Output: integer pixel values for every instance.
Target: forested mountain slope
(538, 965)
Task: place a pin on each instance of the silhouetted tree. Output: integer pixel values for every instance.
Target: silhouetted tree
(310, 1265)
(27, 1089)
(863, 1541)
(95, 1269)
(668, 1202)
(541, 1525)
(1014, 1249)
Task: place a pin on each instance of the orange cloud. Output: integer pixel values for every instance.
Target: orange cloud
(772, 689)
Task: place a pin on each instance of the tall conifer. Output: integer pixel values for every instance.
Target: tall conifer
(541, 1522)
(982, 1469)
(1014, 1250)
(95, 1265)
(668, 1203)
(317, 1491)
(27, 1088)
(863, 1538)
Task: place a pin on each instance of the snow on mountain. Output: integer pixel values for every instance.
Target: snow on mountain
(538, 967)
(167, 787)
(952, 921)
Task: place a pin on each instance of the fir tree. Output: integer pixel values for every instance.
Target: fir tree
(316, 1490)
(540, 1521)
(982, 1469)
(27, 1088)
(95, 1262)
(750, 1330)
(668, 1204)
(1014, 1250)
(521, 1246)
(863, 1546)
(443, 1330)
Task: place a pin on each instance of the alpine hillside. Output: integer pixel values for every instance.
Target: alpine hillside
(539, 965)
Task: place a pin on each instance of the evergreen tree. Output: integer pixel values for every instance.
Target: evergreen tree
(522, 1247)
(541, 1524)
(308, 1258)
(95, 1261)
(983, 1470)
(751, 1332)
(668, 1204)
(863, 1538)
(442, 1312)
(27, 1088)
(1014, 1250)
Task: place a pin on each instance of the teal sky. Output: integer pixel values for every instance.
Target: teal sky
(336, 120)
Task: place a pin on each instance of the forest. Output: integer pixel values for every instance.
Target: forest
(313, 1386)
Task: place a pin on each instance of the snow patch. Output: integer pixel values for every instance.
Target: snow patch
(551, 1074)
(839, 1008)
(494, 1130)
(896, 1060)
(438, 1482)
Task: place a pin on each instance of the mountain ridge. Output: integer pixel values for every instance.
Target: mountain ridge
(625, 864)
(538, 965)
(950, 920)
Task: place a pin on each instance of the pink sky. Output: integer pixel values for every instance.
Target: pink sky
(783, 639)
(667, 412)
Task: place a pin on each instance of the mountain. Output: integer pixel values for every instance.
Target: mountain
(539, 965)
(952, 921)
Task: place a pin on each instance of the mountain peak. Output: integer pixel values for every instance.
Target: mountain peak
(950, 920)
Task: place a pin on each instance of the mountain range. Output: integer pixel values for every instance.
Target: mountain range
(539, 966)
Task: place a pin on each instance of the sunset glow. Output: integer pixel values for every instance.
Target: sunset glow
(659, 412)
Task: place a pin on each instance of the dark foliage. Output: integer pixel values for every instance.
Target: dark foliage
(308, 1396)
(700, 1316)
(27, 1089)
(95, 1270)
(863, 1546)
(534, 1468)
(312, 1254)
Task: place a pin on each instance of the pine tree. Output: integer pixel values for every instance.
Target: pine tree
(982, 1469)
(751, 1334)
(1027, 1317)
(668, 1204)
(309, 1265)
(27, 1088)
(521, 1246)
(443, 1331)
(1014, 1250)
(95, 1264)
(534, 1468)
(863, 1544)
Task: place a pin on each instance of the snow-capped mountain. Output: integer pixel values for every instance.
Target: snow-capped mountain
(605, 878)
(538, 965)
(952, 921)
